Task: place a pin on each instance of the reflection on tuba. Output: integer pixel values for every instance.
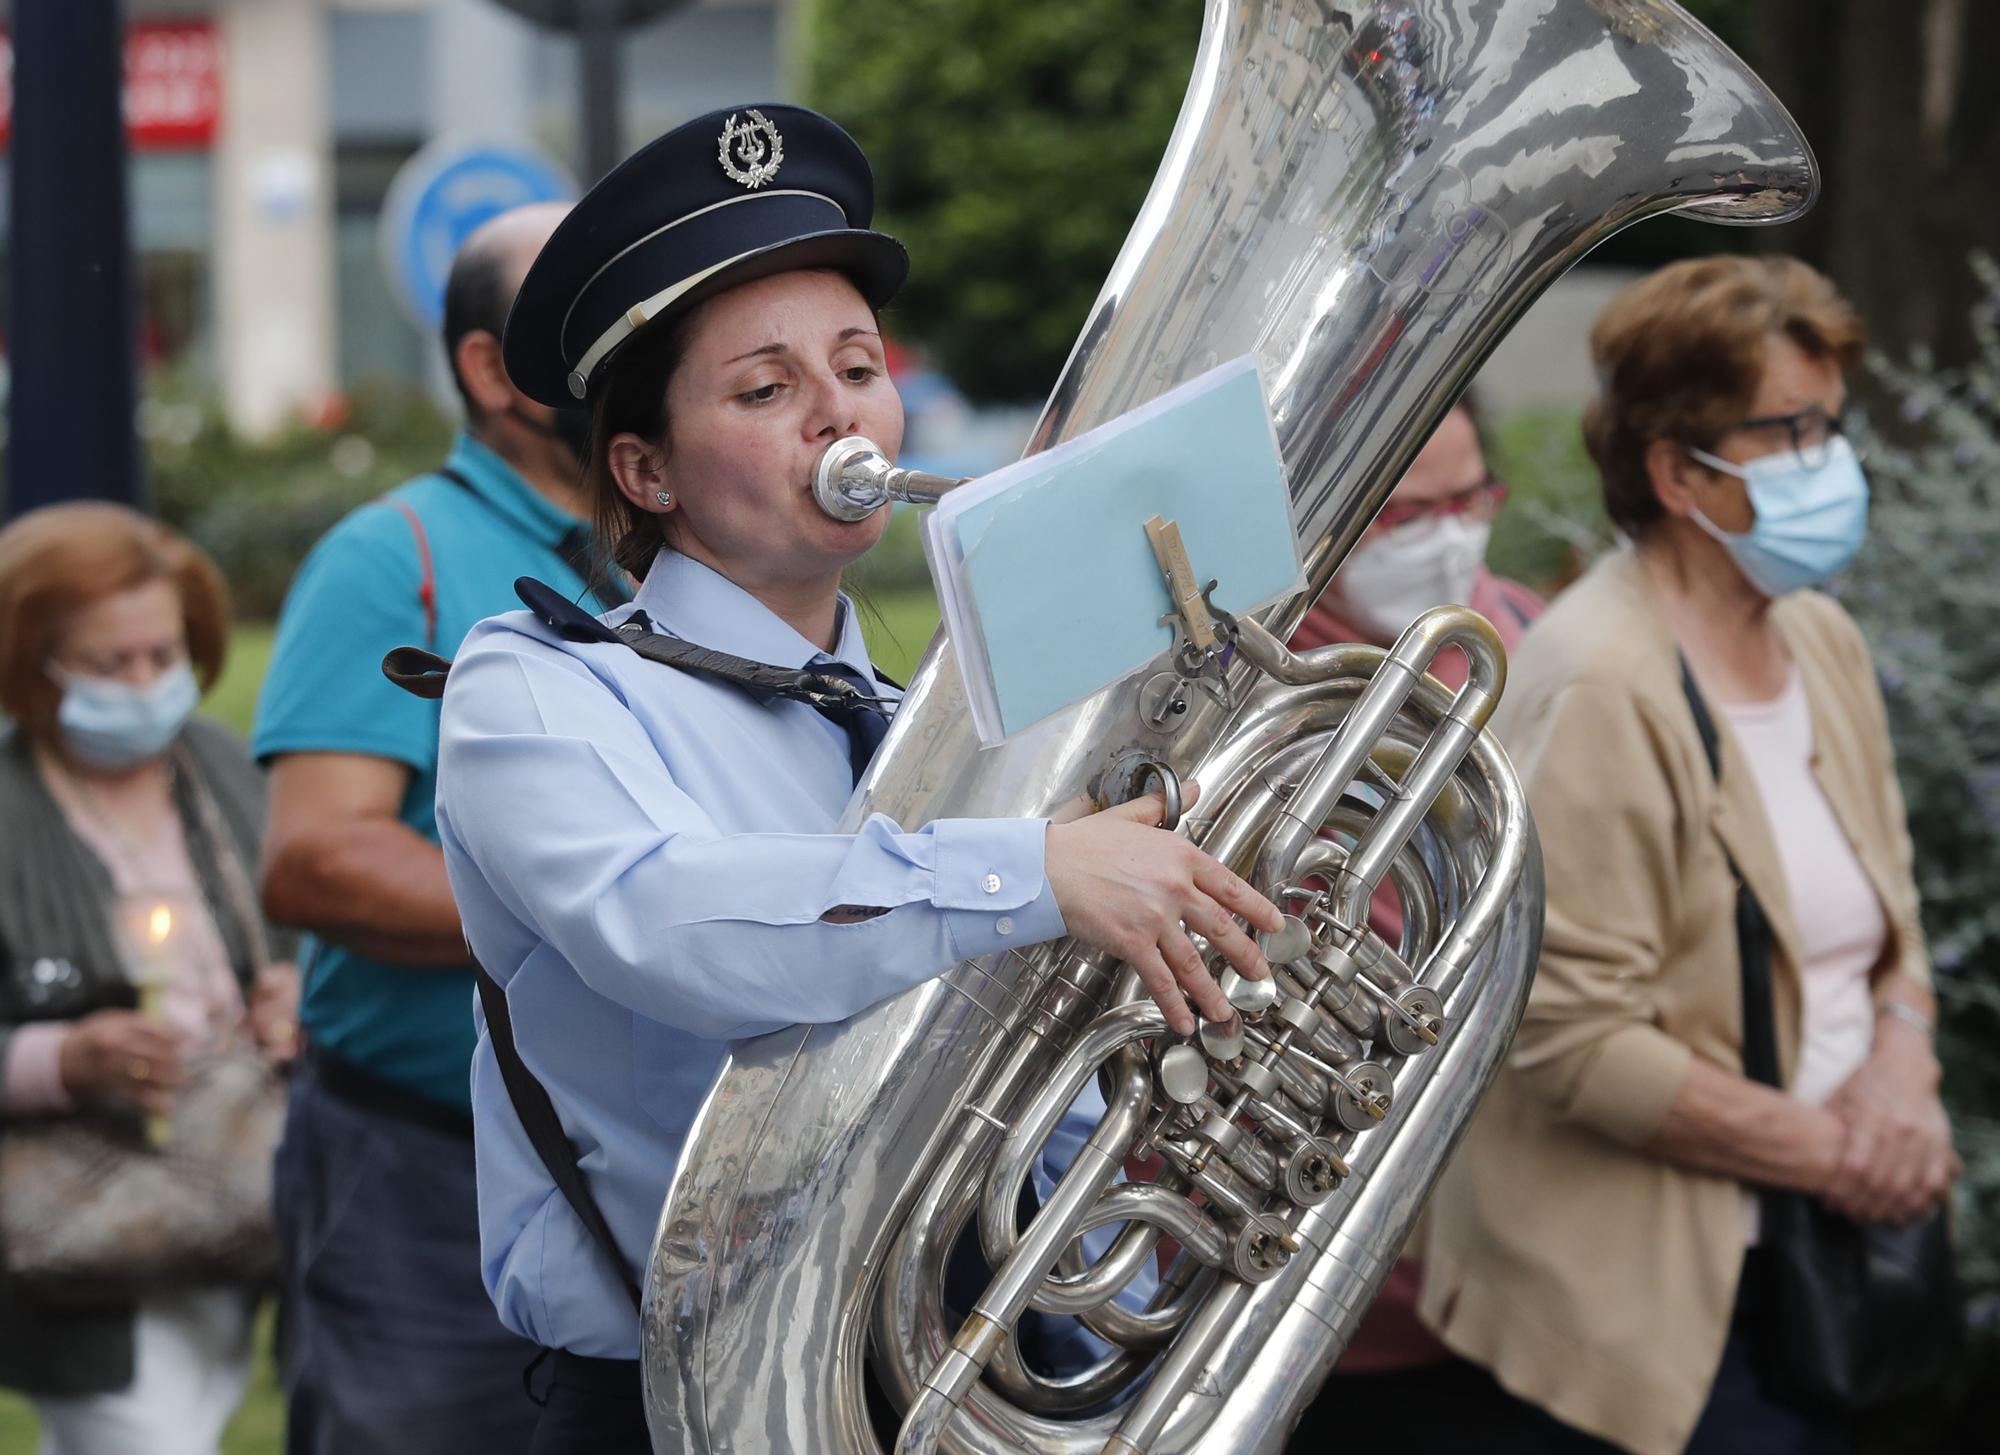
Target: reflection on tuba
(1365, 196)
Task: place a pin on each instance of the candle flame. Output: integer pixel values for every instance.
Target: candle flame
(159, 924)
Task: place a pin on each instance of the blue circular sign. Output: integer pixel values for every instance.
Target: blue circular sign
(441, 196)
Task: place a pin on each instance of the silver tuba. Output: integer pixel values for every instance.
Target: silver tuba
(1365, 197)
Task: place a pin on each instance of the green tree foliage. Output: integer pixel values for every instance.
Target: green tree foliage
(1012, 141)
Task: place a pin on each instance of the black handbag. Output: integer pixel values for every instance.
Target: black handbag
(1857, 1316)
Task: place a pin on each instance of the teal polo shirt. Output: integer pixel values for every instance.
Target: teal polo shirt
(360, 593)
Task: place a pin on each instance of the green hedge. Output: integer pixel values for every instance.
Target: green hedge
(257, 508)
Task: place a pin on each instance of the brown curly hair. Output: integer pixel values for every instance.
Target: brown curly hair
(1679, 356)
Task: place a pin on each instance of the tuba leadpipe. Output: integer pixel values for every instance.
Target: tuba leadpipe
(1364, 197)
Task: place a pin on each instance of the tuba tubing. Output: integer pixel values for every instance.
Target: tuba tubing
(1364, 197)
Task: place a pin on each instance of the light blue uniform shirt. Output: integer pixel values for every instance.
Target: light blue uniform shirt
(359, 594)
(641, 857)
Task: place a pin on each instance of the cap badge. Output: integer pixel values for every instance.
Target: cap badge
(750, 150)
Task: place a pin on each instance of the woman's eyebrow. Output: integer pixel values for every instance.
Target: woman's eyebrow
(779, 348)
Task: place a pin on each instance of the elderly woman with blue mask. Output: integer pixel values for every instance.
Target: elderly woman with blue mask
(1697, 727)
(119, 802)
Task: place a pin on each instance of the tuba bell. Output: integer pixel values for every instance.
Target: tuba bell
(1365, 196)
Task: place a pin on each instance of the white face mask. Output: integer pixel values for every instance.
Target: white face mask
(1389, 580)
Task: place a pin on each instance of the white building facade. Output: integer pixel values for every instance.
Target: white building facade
(254, 217)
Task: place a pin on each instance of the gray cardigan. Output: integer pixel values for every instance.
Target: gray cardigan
(58, 961)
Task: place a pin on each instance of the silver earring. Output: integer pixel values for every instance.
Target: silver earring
(663, 497)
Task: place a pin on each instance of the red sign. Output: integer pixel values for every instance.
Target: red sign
(173, 84)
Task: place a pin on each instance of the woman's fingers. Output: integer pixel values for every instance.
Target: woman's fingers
(1227, 938)
(1162, 984)
(1857, 1160)
(1230, 890)
(1192, 973)
(1148, 808)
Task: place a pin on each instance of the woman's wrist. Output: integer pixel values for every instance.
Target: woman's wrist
(1824, 1145)
(1902, 1013)
(36, 1077)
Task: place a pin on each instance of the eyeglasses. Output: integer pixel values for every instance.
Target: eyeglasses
(1479, 502)
(1811, 432)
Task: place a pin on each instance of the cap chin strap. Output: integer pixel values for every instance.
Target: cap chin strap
(635, 318)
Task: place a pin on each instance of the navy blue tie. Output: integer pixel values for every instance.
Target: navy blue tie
(865, 726)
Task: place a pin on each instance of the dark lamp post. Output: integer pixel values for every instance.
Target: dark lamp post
(72, 341)
(597, 25)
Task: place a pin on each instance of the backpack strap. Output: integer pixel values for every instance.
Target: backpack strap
(427, 581)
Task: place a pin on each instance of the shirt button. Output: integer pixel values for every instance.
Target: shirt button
(991, 884)
(1004, 925)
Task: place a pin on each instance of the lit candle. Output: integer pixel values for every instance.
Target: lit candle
(152, 969)
(155, 962)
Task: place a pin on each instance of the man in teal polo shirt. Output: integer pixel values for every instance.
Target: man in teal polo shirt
(394, 1344)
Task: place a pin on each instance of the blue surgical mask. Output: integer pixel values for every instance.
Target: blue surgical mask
(1811, 518)
(113, 725)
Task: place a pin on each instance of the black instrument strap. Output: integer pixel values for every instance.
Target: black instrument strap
(417, 671)
(545, 1130)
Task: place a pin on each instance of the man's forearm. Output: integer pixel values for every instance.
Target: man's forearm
(1727, 1124)
(374, 886)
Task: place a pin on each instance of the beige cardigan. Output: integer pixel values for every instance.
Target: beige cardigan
(1592, 1277)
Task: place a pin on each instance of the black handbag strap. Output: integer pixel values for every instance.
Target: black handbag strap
(1753, 926)
(545, 1131)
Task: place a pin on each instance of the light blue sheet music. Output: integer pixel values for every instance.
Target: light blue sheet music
(1054, 571)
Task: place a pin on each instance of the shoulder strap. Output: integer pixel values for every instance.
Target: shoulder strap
(1753, 929)
(427, 582)
(544, 1128)
(423, 672)
(822, 690)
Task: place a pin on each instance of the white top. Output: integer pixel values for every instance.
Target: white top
(1840, 920)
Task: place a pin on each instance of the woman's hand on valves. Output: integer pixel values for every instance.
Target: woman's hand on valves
(1129, 888)
(121, 1056)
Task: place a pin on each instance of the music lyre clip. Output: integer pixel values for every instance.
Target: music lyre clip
(1187, 597)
